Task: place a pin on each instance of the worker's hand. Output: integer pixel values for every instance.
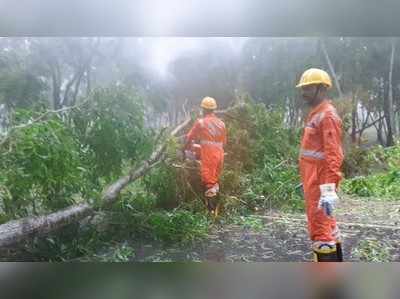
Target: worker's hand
(328, 198)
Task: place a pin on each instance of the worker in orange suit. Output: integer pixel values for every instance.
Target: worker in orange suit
(210, 132)
(321, 157)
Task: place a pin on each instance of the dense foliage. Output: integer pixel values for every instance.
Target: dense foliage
(378, 172)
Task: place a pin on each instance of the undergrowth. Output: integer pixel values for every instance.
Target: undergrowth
(378, 173)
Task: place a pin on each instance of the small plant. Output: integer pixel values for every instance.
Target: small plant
(384, 185)
(123, 253)
(363, 162)
(250, 222)
(178, 226)
(371, 250)
(162, 182)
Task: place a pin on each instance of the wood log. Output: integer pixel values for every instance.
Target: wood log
(17, 230)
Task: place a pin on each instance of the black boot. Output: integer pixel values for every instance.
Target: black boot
(339, 251)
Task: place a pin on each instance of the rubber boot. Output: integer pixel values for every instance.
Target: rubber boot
(207, 203)
(327, 253)
(214, 205)
(339, 251)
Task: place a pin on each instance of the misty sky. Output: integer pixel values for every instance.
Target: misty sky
(164, 50)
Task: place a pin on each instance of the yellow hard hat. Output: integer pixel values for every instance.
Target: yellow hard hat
(315, 76)
(208, 103)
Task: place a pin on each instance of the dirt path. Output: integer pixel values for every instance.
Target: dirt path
(370, 229)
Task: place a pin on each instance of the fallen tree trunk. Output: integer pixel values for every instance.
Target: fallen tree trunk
(16, 231)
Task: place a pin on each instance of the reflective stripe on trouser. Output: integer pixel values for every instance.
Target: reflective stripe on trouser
(312, 154)
(214, 143)
(320, 226)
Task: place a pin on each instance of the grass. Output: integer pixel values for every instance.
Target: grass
(372, 250)
(250, 222)
(385, 186)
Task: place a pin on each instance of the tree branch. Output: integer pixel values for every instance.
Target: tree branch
(40, 118)
(375, 121)
(330, 65)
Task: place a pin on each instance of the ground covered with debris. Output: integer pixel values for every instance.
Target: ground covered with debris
(370, 230)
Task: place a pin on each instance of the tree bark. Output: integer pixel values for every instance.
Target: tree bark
(354, 120)
(379, 119)
(389, 103)
(17, 230)
(74, 83)
(56, 83)
(331, 69)
(76, 89)
(363, 127)
(88, 82)
(68, 87)
(378, 126)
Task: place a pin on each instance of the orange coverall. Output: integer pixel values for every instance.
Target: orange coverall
(211, 133)
(321, 157)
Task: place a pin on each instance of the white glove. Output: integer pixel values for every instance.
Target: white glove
(212, 191)
(328, 198)
(190, 155)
